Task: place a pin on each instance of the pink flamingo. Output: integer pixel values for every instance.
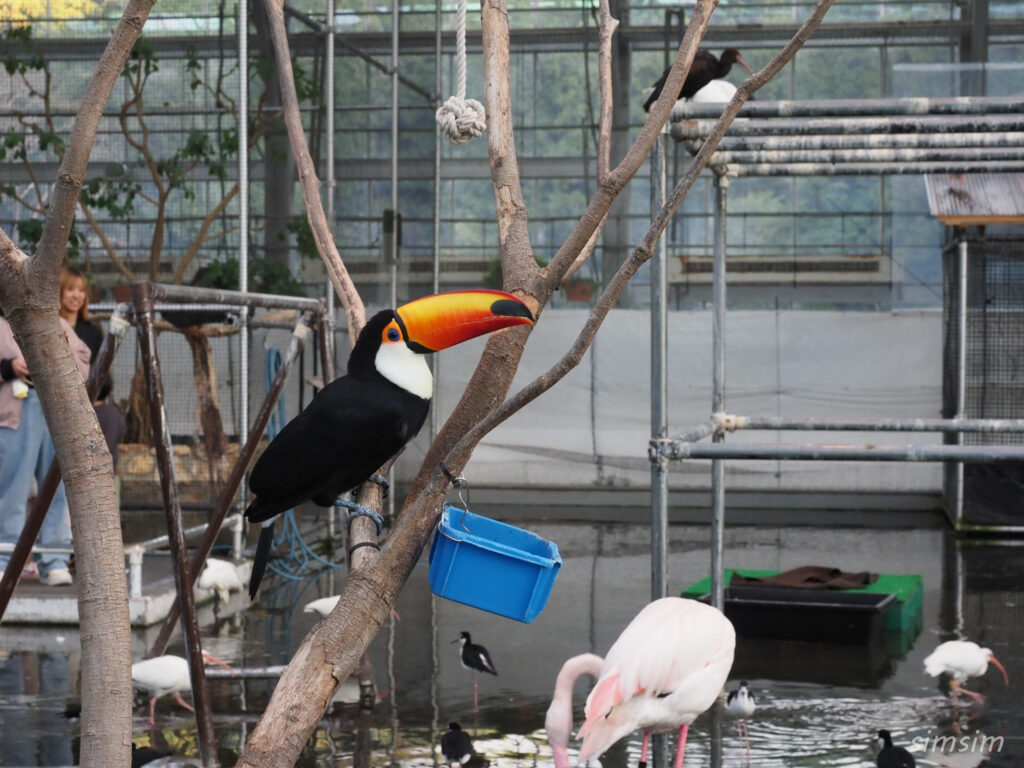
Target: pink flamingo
(558, 721)
(668, 665)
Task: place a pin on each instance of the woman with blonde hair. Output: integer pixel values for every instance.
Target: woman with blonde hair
(74, 307)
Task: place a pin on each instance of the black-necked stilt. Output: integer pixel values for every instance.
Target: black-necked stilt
(558, 720)
(474, 657)
(456, 746)
(890, 756)
(667, 666)
(705, 68)
(962, 659)
(167, 674)
(740, 704)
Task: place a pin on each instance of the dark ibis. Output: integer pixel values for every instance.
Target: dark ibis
(705, 68)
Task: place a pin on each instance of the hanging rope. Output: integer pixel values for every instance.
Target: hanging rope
(460, 118)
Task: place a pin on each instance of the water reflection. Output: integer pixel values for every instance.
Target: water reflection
(817, 705)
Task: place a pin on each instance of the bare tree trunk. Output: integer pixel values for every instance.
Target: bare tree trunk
(215, 442)
(29, 294)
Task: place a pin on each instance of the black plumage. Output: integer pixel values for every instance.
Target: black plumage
(349, 429)
(890, 756)
(475, 656)
(456, 746)
(705, 68)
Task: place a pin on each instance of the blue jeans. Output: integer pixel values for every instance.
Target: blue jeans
(26, 452)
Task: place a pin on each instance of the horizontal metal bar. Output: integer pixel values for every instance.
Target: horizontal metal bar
(681, 129)
(699, 432)
(1014, 426)
(192, 294)
(807, 452)
(162, 541)
(875, 169)
(962, 105)
(872, 155)
(246, 672)
(872, 141)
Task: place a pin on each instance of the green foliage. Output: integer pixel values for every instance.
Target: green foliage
(264, 277)
(305, 243)
(31, 230)
(115, 196)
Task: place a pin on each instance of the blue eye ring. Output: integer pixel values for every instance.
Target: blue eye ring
(393, 334)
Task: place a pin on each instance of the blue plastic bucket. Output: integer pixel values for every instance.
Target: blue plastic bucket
(491, 565)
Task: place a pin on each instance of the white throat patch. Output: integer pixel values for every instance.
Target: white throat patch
(405, 368)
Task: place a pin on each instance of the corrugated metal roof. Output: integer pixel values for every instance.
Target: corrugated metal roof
(976, 198)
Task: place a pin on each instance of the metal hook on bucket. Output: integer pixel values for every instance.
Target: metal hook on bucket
(459, 483)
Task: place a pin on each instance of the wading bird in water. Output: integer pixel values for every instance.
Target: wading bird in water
(668, 665)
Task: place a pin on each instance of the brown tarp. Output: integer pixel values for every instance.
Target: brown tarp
(807, 577)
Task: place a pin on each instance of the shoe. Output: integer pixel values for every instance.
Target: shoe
(56, 578)
(30, 571)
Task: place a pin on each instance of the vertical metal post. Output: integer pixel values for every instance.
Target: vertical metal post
(142, 296)
(243, 219)
(659, 408)
(395, 15)
(434, 359)
(961, 376)
(331, 182)
(659, 382)
(718, 395)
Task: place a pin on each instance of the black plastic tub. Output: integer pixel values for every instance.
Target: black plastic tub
(829, 616)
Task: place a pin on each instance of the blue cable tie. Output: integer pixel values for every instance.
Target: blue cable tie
(358, 510)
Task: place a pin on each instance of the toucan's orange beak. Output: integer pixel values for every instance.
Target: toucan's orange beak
(1000, 667)
(446, 319)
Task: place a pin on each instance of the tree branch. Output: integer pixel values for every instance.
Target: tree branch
(340, 279)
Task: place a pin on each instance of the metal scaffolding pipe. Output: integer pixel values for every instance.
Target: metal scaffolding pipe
(872, 155)
(876, 169)
(718, 284)
(972, 105)
(659, 380)
(187, 293)
(1012, 426)
(680, 130)
(872, 141)
(809, 452)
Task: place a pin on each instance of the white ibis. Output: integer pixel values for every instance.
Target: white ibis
(474, 657)
(890, 756)
(558, 720)
(668, 665)
(167, 674)
(323, 606)
(220, 576)
(740, 704)
(705, 68)
(962, 659)
(456, 746)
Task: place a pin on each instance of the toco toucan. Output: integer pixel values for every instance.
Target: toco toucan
(359, 421)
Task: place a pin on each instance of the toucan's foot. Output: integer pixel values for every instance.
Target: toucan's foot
(358, 510)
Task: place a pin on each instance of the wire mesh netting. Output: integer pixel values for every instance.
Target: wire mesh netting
(994, 367)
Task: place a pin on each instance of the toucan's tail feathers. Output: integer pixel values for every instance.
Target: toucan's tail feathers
(260, 558)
